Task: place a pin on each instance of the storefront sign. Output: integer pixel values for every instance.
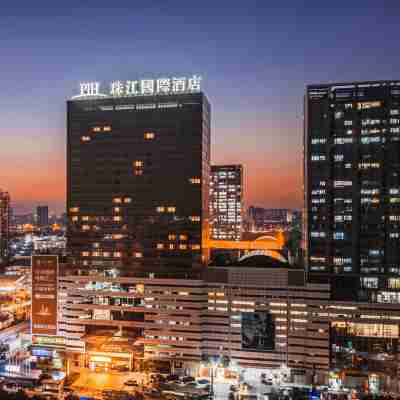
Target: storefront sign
(44, 295)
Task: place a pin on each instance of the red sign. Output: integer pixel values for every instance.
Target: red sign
(44, 295)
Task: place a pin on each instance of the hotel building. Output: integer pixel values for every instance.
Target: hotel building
(138, 171)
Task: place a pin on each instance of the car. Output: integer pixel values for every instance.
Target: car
(152, 393)
(202, 383)
(131, 382)
(267, 382)
(172, 378)
(187, 379)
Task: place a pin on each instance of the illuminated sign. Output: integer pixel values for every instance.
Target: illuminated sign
(44, 295)
(48, 340)
(143, 87)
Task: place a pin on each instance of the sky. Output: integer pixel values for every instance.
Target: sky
(255, 57)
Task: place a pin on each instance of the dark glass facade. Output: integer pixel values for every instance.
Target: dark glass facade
(138, 180)
(352, 182)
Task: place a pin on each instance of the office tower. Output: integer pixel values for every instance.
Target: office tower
(352, 182)
(138, 175)
(4, 226)
(226, 202)
(42, 215)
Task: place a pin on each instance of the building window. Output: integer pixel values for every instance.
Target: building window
(171, 209)
(74, 209)
(171, 237)
(85, 138)
(160, 209)
(194, 218)
(183, 246)
(183, 237)
(160, 246)
(107, 128)
(138, 163)
(195, 181)
(117, 200)
(149, 135)
(127, 200)
(195, 247)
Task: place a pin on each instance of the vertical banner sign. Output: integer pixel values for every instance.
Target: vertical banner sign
(44, 295)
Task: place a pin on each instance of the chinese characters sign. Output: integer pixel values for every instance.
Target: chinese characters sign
(44, 295)
(144, 87)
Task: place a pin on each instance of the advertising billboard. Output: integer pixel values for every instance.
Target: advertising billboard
(258, 331)
(44, 295)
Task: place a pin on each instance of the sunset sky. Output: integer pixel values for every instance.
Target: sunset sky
(255, 60)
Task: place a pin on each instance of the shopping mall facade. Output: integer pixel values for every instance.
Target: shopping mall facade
(261, 320)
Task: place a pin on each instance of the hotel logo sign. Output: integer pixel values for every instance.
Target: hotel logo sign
(144, 87)
(44, 295)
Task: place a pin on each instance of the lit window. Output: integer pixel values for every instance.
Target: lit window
(74, 209)
(183, 237)
(183, 246)
(171, 246)
(117, 200)
(85, 218)
(138, 163)
(160, 209)
(85, 138)
(149, 135)
(96, 129)
(195, 247)
(127, 200)
(117, 254)
(194, 218)
(117, 218)
(106, 254)
(171, 209)
(368, 104)
(85, 227)
(85, 253)
(117, 209)
(160, 246)
(138, 255)
(107, 129)
(74, 219)
(195, 181)
(171, 237)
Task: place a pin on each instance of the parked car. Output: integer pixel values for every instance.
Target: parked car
(202, 383)
(131, 382)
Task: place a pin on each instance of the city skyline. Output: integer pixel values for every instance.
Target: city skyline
(256, 95)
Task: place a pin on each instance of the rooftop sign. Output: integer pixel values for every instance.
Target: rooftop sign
(144, 87)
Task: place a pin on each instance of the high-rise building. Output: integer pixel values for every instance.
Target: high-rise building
(226, 202)
(42, 215)
(352, 182)
(138, 176)
(4, 226)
